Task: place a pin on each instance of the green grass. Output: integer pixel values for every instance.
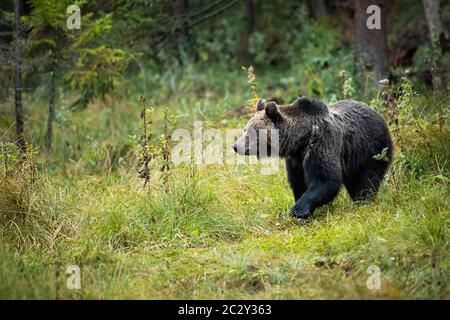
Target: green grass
(220, 231)
(224, 233)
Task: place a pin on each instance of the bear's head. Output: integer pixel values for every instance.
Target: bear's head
(258, 138)
(290, 125)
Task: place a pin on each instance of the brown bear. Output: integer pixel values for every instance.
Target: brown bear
(324, 147)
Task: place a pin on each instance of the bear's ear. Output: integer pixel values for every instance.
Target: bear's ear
(260, 105)
(272, 111)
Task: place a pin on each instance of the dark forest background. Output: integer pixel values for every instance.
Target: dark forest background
(311, 40)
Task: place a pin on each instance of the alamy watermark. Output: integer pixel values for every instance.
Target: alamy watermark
(73, 281)
(374, 280)
(73, 22)
(374, 20)
(214, 146)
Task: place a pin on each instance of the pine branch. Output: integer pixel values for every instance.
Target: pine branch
(164, 37)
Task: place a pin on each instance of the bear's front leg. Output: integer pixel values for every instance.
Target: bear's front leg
(300, 211)
(322, 173)
(295, 178)
(314, 197)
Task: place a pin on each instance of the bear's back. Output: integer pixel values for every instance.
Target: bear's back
(354, 116)
(365, 132)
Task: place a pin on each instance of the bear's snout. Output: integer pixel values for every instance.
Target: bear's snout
(234, 146)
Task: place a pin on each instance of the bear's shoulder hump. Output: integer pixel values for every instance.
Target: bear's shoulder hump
(310, 106)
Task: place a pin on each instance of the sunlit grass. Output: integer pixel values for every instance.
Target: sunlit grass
(225, 233)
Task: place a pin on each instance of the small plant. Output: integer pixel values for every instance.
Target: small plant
(405, 98)
(347, 85)
(146, 151)
(17, 179)
(16, 162)
(169, 121)
(397, 103)
(388, 102)
(251, 106)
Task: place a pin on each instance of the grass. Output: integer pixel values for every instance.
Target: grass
(220, 231)
(225, 234)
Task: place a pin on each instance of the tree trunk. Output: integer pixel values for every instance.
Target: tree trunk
(179, 10)
(372, 43)
(318, 8)
(51, 112)
(249, 16)
(433, 19)
(20, 140)
(436, 31)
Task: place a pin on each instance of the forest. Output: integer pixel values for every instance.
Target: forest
(94, 95)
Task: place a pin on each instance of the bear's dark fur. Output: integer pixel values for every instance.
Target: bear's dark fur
(327, 146)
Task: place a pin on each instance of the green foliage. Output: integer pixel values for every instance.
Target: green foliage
(382, 156)
(348, 89)
(89, 62)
